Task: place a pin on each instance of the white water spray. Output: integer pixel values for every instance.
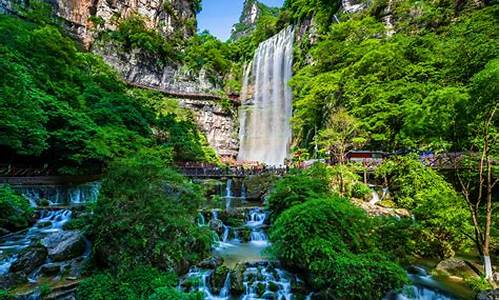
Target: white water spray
(265, 131)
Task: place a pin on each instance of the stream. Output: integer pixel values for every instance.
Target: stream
(54, 206)
(264, 279)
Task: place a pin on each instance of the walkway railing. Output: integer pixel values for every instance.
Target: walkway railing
(217, 172)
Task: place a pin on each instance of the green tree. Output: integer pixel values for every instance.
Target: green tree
(145, 216)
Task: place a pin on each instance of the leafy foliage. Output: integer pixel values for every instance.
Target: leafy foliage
(434, 203)
(68, 108)
(142, 282)
(297, 187)
(330, 238)
(145, 215)
(414, 89)
(15, 210)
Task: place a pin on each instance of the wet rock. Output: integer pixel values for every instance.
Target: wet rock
(51, 269)
(211, 263)
(454, 267)
(488, 295)
(216, 225)
(218, 278)
(237, 278)
(11, 279)
(64, 245)
(44, 224)
(29, 259)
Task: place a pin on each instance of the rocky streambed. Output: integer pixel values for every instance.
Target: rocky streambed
(48, 252)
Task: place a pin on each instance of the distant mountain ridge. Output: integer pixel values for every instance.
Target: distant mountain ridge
(252, 11)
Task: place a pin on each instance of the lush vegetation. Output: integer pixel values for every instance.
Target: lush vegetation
(332, 240)
(15, 210)
(412, 90)
(145, 216)
(140, 283)
(66, 107)
(439, 209)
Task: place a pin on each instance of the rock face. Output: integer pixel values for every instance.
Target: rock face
(455, 267)
(29, 259)
(217, 123)
(212, 262)
(252, 10)
(64, 245)
(166, 16)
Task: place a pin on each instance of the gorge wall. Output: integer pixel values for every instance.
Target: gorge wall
(166, 16)
(84, 19)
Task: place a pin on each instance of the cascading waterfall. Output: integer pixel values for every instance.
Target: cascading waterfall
(265, 131)
(60, 195)
(229, 193)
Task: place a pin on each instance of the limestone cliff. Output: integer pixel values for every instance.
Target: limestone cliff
(165, 16)
(85, 18)
(252, 11)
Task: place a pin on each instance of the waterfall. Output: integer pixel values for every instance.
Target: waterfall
(60, 195)
(265, 131)
(224, 292)
(229, 194)
(375, 198)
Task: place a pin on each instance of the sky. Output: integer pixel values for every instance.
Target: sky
(218, 16)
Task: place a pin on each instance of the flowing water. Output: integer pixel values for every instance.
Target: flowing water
(265, 132)
(60, 195)
(49, 220)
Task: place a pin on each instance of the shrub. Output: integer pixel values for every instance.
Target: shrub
(297, 187)
(138, 283)
(332, 240)
(15, 210)
(441, 212)
(360, 190)
(478, 284)
(145, 216)
(4, 295)
(168, 293)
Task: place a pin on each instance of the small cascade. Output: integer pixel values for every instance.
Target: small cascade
(201, 220)
(423, 287)
(229, 193)
(243, 191)
(256, 217)
(265, 131)
(276, 283)
(60, 195)
(259, 238)
(201, 277)
(385, 191)
(225, 235)
(375, 197)
(11, 245)
(226, 289)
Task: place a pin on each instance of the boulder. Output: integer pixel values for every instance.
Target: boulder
(218, 278)
(29, 259)
(454, 267)
(64, 245)
(237, 279)
(488, 295)
(51, 269)
(216, 225)
(211, 263)
(11, 279)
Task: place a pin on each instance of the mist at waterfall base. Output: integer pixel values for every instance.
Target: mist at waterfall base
(265, 132)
